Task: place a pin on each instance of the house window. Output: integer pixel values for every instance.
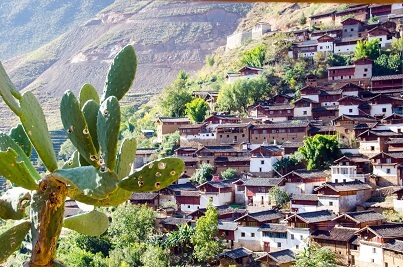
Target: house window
(220, 135)
(288, 111)
(278, 244)
(350, 110)
(365, 75)
(262, 162)
(336, 180)
(243, 135)
(365, 69)
(208, 161)
(372, 148)
(373, 250)
(271, 112)
(389, 160)
(296, 246)
(384, 110)
(188, 206)
(301, 237)
(264, 132)
(292, 236)
(252, 235)
(330, 203)
(305, 112)
(388, 171)
(242, 234)
(227, 135)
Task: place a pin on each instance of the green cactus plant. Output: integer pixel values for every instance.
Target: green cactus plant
(96, 174)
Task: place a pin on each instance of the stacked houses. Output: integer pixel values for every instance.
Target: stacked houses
(330, 207)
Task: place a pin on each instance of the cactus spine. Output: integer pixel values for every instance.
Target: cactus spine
(96, 173)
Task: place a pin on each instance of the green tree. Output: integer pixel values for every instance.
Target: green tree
(367, 49)
(320, 151)
(229, 174)
(155, 256)
(206, 244)
(129, 255)
(397, 46)
(286, 165)
(279, 197)
(197, 110)
(174, 98)
(373, 19)
(315, 256)
(203, 174)
(302, 19)
(131, 224)
(180, 242)
(169, 143)
(387, 65)
(254, 57)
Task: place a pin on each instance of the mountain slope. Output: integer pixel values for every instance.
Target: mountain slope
(25, 25)
(168, 37)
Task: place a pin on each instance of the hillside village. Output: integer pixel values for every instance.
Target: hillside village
(344, 207)
(338, 207)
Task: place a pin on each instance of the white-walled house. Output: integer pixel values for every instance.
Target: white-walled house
(247, 234)
(246, 72)
(349, 105)
(345, 174)
(343, 197)
(303, 107)
(303, 181)
(387, 167)
(304, 202)
(301, 225)
(383, 35)
(263, 158)
(273, 236)
(257, 190)
(220, 193)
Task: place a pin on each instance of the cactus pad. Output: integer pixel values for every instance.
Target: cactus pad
(73, 162)
(20, 137)
(108, 123)
(7, 142)
(154, 176)
(121, 74)
(90, 111)
(93, 183)
(16, 171)
(77, 129)
(113, 199)
(35, 126)
(11, 239)
(88, 92)
(125, 158)
(7, 90)
(93, 223)
(13, 203)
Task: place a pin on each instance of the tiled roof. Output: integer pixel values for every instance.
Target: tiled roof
(341, 67)
(192, 126)
(278, 107)
(315, 216)
(363, 216)
(263, 216)
(337, 234)
(324, 108)
(171, 119)
(388, 230)
(386, 133)
(308, 174)
(273, 228)
(306, 99)
(361, 118)
(321, 129)
(292, 144)
(174, 221)
(363, 126)
(281, 125)
(395, 245)
(232, 125)
(353, 158)
(143, 196)
(219, 184)
(263, 181)
(387, 77)
(219, 149)
(346, 186)
(305, 197)
(282, 256)
(190, 193)
(183, 187)
(227, 226)
(236, 253)
(232, 159)
(187, 158)
(397, 155)
(331, 92)
(395, 141)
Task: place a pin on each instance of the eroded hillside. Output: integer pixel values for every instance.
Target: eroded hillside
(168, 37)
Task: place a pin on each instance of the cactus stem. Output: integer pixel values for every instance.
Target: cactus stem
(47, 210)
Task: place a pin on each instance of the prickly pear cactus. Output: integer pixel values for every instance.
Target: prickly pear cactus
(97, 173)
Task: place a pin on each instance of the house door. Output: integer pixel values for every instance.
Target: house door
(266, 246)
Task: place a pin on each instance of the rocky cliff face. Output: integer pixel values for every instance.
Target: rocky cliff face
(168, 36)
